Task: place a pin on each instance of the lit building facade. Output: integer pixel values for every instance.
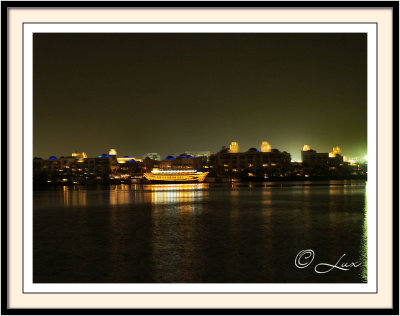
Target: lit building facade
(253, 162)
(311, 158)
(78, 168)
(183, 161)
(234, 148)
(204, 155)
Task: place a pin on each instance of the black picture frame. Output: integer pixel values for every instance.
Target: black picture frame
(6, 5)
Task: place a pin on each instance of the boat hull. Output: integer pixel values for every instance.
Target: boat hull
(176, 178)
(145, 181)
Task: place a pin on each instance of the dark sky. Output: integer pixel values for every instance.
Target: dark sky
(169, 93)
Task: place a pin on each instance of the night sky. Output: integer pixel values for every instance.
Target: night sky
(170, 93)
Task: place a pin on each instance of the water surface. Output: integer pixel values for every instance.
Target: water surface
(199, 233)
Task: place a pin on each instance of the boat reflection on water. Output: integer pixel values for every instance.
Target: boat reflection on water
(157, 193)
(174, 193)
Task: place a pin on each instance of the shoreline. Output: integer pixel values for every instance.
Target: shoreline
(251, 184)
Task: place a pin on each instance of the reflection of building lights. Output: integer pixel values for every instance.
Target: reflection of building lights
(176, 193)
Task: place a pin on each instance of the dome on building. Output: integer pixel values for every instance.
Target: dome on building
(169, 158)
(306, 148)
(265, 147)
(234, 147)
(112, 152)
(336, 150)
(52, 158)
(254, 149)
(185, 155)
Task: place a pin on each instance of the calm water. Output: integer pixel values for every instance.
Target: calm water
(246, 233)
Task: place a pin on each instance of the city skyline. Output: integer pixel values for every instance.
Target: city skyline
(236, 149)
(170, 93)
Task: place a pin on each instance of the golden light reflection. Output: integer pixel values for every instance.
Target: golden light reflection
(175, 193)
(307, 219)
(234, 204)
(72, 197)
(266, 196)
(173, 206)
(120, 194)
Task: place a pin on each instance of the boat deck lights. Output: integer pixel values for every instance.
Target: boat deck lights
(174, 171)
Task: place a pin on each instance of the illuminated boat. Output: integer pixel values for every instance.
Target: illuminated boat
(175, 176)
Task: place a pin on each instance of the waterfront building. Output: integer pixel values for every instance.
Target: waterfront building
(185, 161)
(204, 155)
(182, 161)
(52, 164)
(311, 158)
(253, 161)
(103, 167)
(80, 156)
(149, 164)
(78, 168)
(335, 151)
(253, 164)
(125, 159)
